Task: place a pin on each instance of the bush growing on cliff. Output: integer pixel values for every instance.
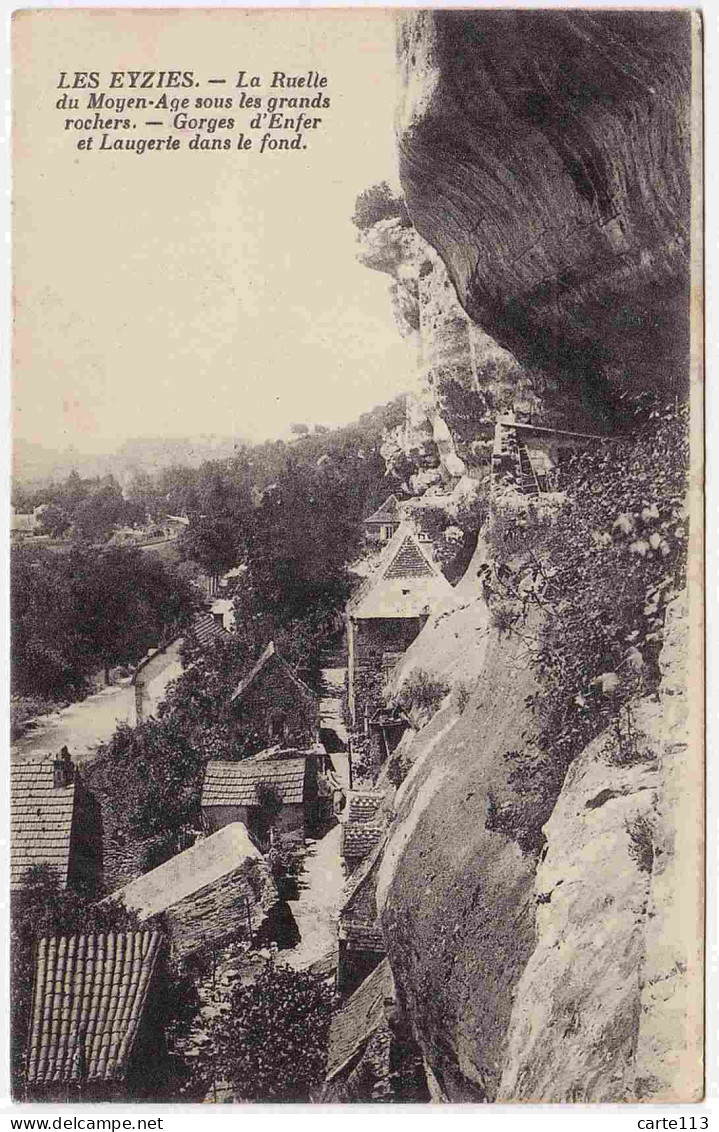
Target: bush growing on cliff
(421, 693)
(600, 571)
(379, 203)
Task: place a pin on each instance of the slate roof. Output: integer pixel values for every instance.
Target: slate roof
(387, 513)
(40, 819)
(359, 839)
(96, 983)
(359, 1018)
(269, 653)
(234, 784)
(184, 874)
(405, 582)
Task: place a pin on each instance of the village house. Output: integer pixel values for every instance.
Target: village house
(94, 1030)
(390, 608)
(361, 945)
(277, 788)
(161, 666)
(271, 705)
(383, 523)
(219, 888)
(54, 821)
(359, 1042)
(362, 829)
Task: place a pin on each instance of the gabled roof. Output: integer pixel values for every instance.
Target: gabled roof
(387, 513)
(205, 629)
(363, 805)
(94, 986)
(405, 582)
(359, 1018)
(234, 784)
(208, 860)
(270, 654)
(40, 819)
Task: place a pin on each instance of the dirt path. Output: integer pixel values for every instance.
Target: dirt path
(79, 727)
(320, 900)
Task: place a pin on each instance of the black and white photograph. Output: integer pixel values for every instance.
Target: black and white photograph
(356, 559)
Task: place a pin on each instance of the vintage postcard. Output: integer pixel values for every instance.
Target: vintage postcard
(356, 557)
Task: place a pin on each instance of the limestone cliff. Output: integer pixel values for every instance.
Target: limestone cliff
(577, 982)
(545, 156)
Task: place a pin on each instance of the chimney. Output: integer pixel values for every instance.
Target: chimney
(219, 619)
(63, 770)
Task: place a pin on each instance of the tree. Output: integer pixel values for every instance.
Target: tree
(377, 203)
(270, 1041)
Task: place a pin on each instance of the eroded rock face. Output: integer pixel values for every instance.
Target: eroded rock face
(545, 156)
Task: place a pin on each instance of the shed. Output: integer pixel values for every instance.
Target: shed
(275, 704)
(233, 791)
(53, 821)
(91, 1032)
(218, 887)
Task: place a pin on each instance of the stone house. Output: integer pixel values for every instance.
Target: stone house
(362, 829)
(218, 888)
(390, 608)
(383, 523)
(361, 945)
(95, 1033)
(235, 792)
(54, 820)
(274, 706)
(359, 1040)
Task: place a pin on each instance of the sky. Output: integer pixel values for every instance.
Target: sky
(172, 294)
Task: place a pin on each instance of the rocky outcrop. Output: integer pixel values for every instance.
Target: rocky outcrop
(605, 1009)
(580, 981)
(545, 156)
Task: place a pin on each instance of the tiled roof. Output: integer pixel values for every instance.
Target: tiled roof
(362, 1014)
(409, 562)
(205, 630)
(363, 806)
(40, 819)
(96, 984)
(269, 653)
(234, 784)
(362, 935)
(387, 513)
(359, 839)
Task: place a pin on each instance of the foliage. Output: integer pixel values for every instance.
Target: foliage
(269, 799)
(74, 613)
(421, 692)
(585, 586)
(397, 770)
(270, 1041)
(159, 771)
(641, 843)
(379, 203)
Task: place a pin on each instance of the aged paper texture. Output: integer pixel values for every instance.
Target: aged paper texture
(357, 557)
